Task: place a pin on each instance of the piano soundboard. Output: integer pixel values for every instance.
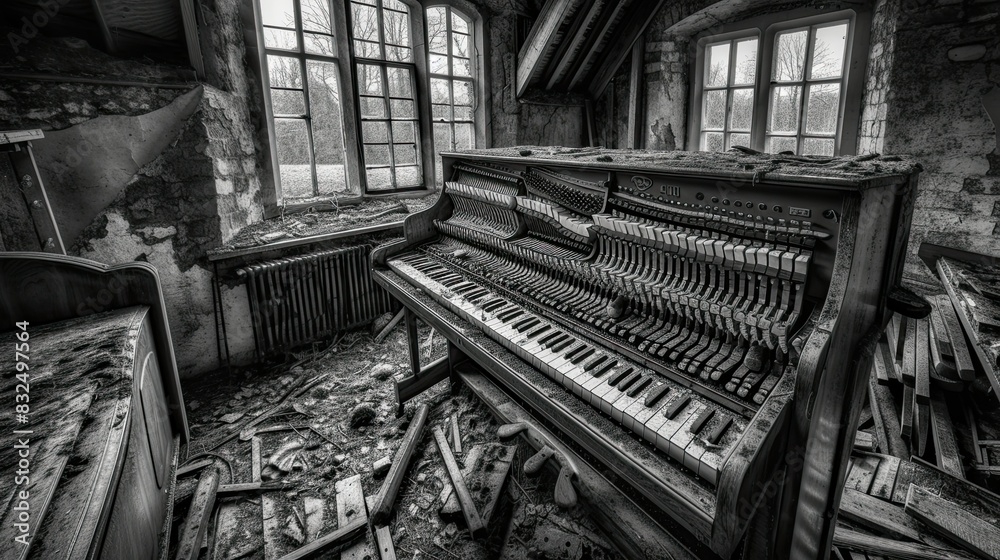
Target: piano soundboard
(673, 296)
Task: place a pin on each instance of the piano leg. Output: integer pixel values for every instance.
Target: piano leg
(421, 379)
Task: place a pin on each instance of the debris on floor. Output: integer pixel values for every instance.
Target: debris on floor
(301, 452)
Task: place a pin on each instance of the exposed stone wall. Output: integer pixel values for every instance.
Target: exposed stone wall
(935, 112)
(871, 131)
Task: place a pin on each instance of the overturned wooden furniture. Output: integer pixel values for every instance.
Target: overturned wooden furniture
(103, 416)
(700, 324)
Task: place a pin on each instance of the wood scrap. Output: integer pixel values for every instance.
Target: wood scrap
(881, 365)
(953, 522)
(386, 549)
(391, 325)
(351, 507)
(945, 444)
(381, 467)
(472, 518)
(199, 515)
(880, 516)
(908, 367)
(885, 477)
(456, 435)
(862, 542)
(500, 458)
(390, 486)
(227, 490)
(863, 441)
(921, 426)
(193, 466)
(884, 415)
(862, 473)
(962, 354)
(906, 419)
(922, 363)
(255, 459)
(333, 542)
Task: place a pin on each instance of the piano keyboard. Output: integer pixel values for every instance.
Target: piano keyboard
(681, 423)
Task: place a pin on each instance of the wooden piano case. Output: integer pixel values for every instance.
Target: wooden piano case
(103, 416)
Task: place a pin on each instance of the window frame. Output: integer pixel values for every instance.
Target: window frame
(767, 28)
(347, 62)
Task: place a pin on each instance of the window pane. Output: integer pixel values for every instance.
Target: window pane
(402, 109)
(739, 140)
(790, 55)
(319, 44)
(715, 110)
(399, 54)
(374, 132)
(817, 147)
(284, 71)
(437, 30)
(365, 49)
(463, 113)
(409, 176)
(439, 63)
(292, 141)
(464, 136)
(712, 141)
(369, 79)
(376, 155)
(777, 144)
(717, 65)
(399, 82)
(405, 154)
(373, 107)
(277, 12)
(462, 67)
(442, 137)
(397, 28)
(440, 91)
(280, 39)
(823, 105)
(460, 45)
(287, 102)
(403, 132)
(327, 126)
(441, 112)
(828, 52)
(746, 62)
(463, 93)
(378, 179)
(315, 15)
(458, 23)
(395, 5)
(741, 112)
(784, 109)
(364, 22)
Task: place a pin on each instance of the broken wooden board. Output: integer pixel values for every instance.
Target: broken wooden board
(386, 550)
(390, 486)
(863, 441)
(862, 473)
(884, 480)
(906, 418)
(953, 522)
(870, 544)
(273, 521)
(199, 515)
(886, 419)
(945, 446)
(472, 518)
(237, 529)
(486, 483)
(880, 516)
(350, 508)
(908, 367)
(960, 350)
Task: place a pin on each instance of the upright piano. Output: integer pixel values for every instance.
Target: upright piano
(700, 324)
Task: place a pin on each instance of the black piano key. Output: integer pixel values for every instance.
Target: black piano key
(628, 381)
(526, 324)
(716, 434)
(639, 386)
(562, 344)
(538, 331)
(594, 362)
(582, 355)
(552, 337)
(571, 355)
(702, 419)
(494, 304)
(506, 316)
(676, 406)
(617, 377)
(655, 394)
(604, 368)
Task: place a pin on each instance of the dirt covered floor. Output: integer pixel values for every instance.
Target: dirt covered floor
(329, 414)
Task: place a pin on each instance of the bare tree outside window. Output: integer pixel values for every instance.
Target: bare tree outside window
(727, 112)
(449, 40)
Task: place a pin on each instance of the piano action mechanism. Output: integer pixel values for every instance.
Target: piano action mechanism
(700, 324)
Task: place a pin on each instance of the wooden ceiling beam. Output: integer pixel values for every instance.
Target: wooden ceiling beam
(192, 38)
(531, 59)
(102, 24)
(606, 24)
(634, 26)
(569, 50)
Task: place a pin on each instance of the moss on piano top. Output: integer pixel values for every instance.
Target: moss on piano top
(734, 162)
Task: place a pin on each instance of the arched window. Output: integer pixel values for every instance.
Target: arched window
(451, 68)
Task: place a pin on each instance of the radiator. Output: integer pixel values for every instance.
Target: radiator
(302, 299)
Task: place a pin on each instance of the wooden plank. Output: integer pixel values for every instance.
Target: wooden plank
(963, 356)
(945, 445)
(886, 419)
(199, 515)
(863, 441)
(898, 550)
(907, 474)
(255, 459)
(939, 331)
(885, 477)
(102, 24)
(390, 486)
(906, 420)
(625, 36)
(351, 507)
(541, 38)
(472, 518)
(492, 475)
(602, 28)
(386, 550)
(921, 426)
(191, 37)
(923, 363)
(330, 543)
(568, 53)
(456, 434)
(862, 473)
(954, 523)
(880, 516)
(880, 367)
(909, 363)
(273, 539)
(636, 88)
(388, 328)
